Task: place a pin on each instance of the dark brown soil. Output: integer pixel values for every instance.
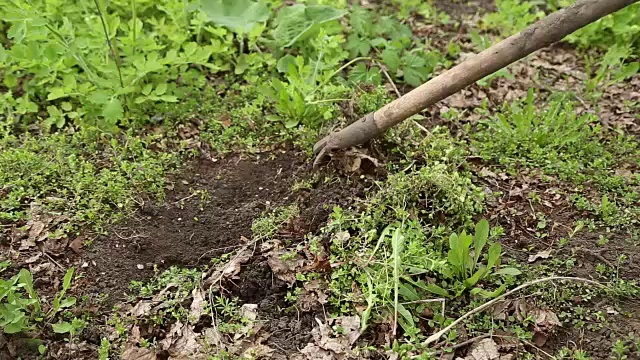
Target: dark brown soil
(189, 230)
(458, 9)
(289, 330)
(519, 216)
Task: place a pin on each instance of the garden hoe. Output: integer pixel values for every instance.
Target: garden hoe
(539, 35)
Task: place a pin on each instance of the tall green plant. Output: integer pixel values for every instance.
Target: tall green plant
(464, 267)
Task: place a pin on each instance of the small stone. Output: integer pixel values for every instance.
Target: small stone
(85, 264)
(93, 263)
(140, 266)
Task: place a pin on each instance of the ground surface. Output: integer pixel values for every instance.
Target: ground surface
(243, 258)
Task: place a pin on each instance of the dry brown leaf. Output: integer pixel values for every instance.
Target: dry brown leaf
(44, 270)
(485, 349)
(230, 269)
(181, 340)
(484, 172)
(338, 344)
(314, 352)
(33, 259)
(134, 335)
(500, 310)
(462, 99)
(314, 295)
(258, 351)
(225, 120)
(545, 320)
(212, 337)
(77, 244)
(55, 247)
(352, 160)
(342, 236)
(540, 255)
(249, 312)
(197, 306)
(142, 308)
(36, 228)
(136, 353)
(284, 267)
(27, 243)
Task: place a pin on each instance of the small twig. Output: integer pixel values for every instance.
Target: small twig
(423, 301)
(106, 35)
(52, 260)
(596, 254)
(187, 197)
(130, 237)
(537, 348)
(437, 335)
(464, 343)
(386, 74)
(213, 250)
(422, 127)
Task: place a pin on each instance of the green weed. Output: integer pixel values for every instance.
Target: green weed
(19, 303)
(512, 16)
(182, 283)
(21, 308)
(562, 143)
(270, 223)
(613, 68)
(88, 83)
(463, 266)
(618, 29)
(67, 173)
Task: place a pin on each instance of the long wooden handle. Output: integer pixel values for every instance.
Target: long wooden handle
(543, 33)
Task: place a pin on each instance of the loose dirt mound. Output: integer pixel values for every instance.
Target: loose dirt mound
(208, 212)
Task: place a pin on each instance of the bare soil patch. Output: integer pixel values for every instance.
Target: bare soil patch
(209, 212)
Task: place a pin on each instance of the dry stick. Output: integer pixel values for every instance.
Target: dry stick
(437, 335)
(539, 35)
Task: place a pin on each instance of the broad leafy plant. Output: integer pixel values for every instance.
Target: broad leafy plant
(512, 16)
(297, 23)
(464, 266)
(19, 304)
(21, 308)
(392, 42)
(89, 64)
(614, 67)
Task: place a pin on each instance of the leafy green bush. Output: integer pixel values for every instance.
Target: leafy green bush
(621, 28)
(18, 302)
(462, 264)
(59, 61)
(392, 42)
